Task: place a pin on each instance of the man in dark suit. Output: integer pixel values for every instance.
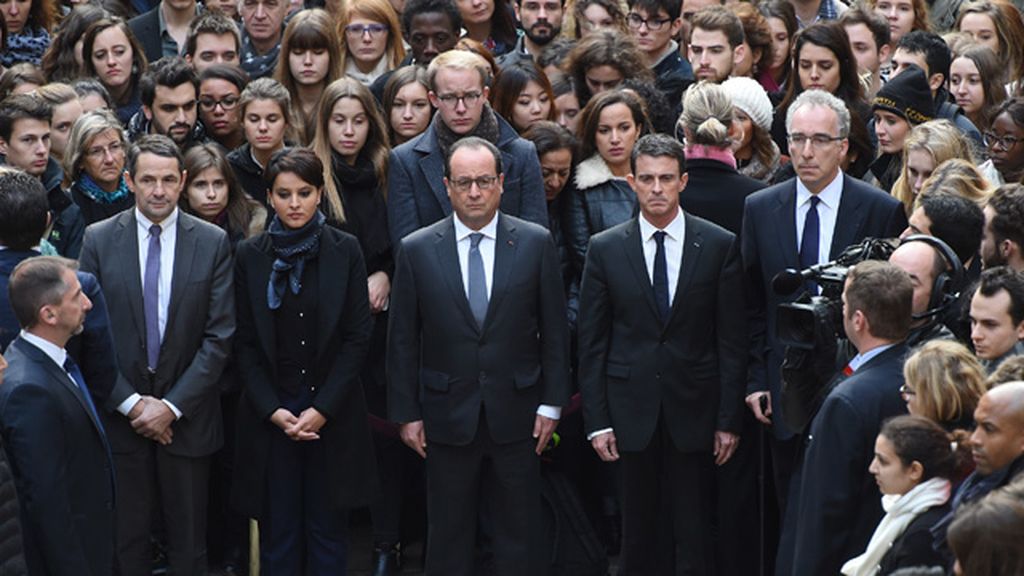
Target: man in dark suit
(52, 433)
(663, 350)
(167, 277)
(804, 221)
(458, 89)
(162, 31)
(837, 506)
(478, 364)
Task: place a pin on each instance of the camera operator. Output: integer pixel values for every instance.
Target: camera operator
(934, 270)
(997, 316)
(835, 506)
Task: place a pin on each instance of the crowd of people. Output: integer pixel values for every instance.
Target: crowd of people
(708, 288)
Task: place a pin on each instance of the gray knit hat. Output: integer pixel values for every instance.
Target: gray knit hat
(748, 95)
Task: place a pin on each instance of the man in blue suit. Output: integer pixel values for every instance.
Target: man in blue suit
(416, 194)
(803, 221)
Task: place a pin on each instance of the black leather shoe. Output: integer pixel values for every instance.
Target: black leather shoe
(387, 560)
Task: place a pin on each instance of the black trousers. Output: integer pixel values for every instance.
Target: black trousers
(667, 506)
(458, 477)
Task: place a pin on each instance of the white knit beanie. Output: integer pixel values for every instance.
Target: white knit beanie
(748, 95)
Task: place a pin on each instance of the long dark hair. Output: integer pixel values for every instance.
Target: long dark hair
(240, 207)
(59, 64)
(139, 62)
(511, 81)
(591, 116)
(918, 439)
(832, 36)
(784, 11)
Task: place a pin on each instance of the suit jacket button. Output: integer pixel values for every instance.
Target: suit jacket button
(483, 376)
(657, 376)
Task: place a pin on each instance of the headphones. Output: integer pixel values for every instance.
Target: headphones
(945, 283)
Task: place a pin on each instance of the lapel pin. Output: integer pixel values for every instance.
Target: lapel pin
(510, 243)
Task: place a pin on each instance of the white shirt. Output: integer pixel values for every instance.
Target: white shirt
(54, 352)
(486, 247)
(860, 359)
(828, 210)
(675, 234)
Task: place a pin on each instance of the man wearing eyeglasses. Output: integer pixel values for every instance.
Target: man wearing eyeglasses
(478, 368)
(654, 24)
(798, 223)
(417, 197)
(168, 92)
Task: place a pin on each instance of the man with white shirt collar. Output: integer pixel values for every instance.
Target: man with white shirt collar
(478, 364)
(52, 433)
(662, 362)
(167, 278)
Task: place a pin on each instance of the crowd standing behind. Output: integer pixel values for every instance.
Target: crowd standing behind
(520, 278)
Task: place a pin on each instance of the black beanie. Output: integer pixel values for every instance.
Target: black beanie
(908, 95)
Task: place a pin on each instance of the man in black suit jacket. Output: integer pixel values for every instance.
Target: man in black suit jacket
(774, 220)
(837, 505)
(52, 433)
(162, 31)
(167, 278)
(663, 349)
(478, 358)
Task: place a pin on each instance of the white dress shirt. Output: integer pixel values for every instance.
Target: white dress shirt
(168, 240)
(828, 210)
(52, 351)
(861, 359)
(486, 247)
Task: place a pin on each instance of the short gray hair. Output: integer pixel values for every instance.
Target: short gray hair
(820, 99)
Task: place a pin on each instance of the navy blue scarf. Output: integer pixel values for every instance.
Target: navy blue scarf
(292, 248)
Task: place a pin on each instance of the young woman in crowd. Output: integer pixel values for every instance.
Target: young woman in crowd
(822, 59)
(783, 25)
(567, 104)
(304, 455)
(592, 15)
(757, 39)
(757, 155)
(27, 27)
(913, 466)
(66, 110)
(265, 106)
(20, 79)
(601, 61)
(467, 44)
(901, 103)
(63, 61)
(1005, 142)
(114, 56)
(904, 16)
(556, 150)
(92, 94)
(960, 177)
(944, 382)
(406, 105)
(220, 89)
(310, 59)
(927, 146)
(522, 95)
(372, 40)
(94, 166)
(975, 80)
(998, 25)
(212, 193)
(609, 126)
(489, 22)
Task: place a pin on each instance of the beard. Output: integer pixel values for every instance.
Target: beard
(542, 34)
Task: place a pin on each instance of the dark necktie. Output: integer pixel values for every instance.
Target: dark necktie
(151, 298)
(72, 369)
(477, 280)
(661, 277)
(809, 242)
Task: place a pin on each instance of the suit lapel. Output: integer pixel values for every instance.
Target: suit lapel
(432, 165)
(633, 246)
(330, 269)
(849, 220)
(126, 243)
(693, 243)
(448, 259)
(785, 219)
(505, 246)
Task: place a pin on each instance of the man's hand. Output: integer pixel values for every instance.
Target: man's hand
(136, 410)
(414, 437)
(543, 428)
(604, 445)
(379, 287)
(307, 426)
(754, 403)
(725, 446)
(155, 420)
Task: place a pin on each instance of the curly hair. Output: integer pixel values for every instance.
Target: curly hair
(756, 33)
(1007, 223)
(947, 380)
(604, 48)
(59, 63)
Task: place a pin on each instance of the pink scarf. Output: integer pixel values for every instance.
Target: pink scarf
(723, 155)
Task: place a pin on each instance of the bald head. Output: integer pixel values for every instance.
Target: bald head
(998, 439)
(924, 263)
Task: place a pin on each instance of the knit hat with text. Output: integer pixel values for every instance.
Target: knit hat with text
(908, 95)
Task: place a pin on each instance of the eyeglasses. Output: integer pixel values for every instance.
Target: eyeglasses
(468, 99)
(818, 141)
(484, 183)
(907, 391)
(356, 30)
(227, 103)
(1004, 142)
(635, 21)
(114, 148)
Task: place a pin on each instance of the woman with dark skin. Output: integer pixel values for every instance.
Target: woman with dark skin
(1005, 141)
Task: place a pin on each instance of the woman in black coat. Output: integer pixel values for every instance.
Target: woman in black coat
(304, 451)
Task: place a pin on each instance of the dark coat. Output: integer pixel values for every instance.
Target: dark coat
(93, 211)
(67, 224)
(146, 27)
(248, 173)
(417, 196)
(716, 192)
(343, 332)
(914, 546)
(633, 368)
(672, 76)
(12, 551)
(61, 465)
(597, 201)
(834, 506)
(770, 246)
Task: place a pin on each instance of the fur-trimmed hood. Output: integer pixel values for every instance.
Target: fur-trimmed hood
(592, 172)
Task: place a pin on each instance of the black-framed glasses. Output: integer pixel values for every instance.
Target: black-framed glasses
(635, 21)
(907, 391)
(818, 141)
(227, 103)
(357, 30)
(1004, 142)
(482, 182)
(452, 100)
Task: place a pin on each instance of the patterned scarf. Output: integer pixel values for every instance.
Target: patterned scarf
(26, 46)
(256, 65)
(91, 189)
(487, 129)
(292, 248)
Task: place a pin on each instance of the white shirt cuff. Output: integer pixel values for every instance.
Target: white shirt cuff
(597, 433)
(177, 413)
(547, 411)
(125, 407)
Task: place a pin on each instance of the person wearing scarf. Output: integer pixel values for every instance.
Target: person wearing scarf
(29, 45)
(98, 204)
(914, 461)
